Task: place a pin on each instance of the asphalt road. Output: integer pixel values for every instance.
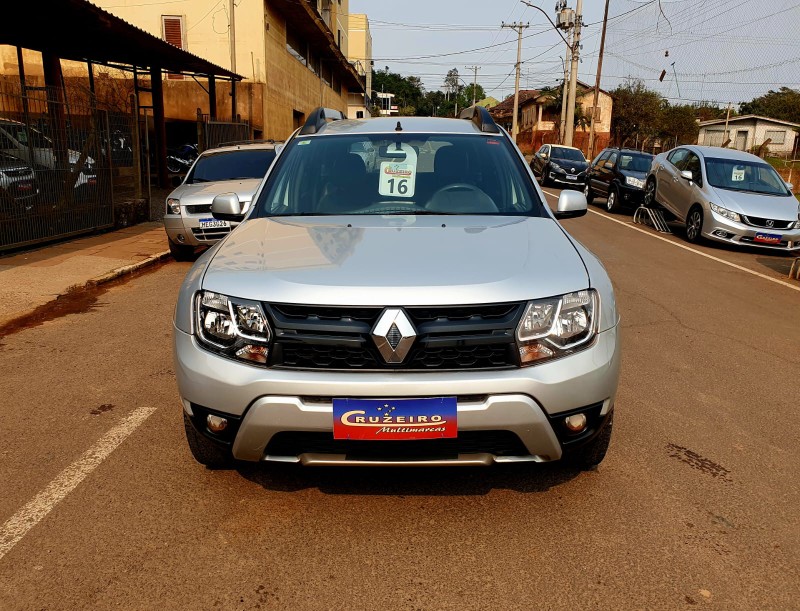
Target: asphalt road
(696, 505)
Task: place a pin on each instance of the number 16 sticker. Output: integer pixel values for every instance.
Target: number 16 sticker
(399, 179)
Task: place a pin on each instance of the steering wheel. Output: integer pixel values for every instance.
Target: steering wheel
(458, 186)
(479, 203)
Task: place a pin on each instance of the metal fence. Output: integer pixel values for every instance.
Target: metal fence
(214, 133)
(61, 160)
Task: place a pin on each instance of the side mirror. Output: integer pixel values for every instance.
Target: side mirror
(790, 186)
(226, 207)
(687, 175)
(571, 204)
(545, 156)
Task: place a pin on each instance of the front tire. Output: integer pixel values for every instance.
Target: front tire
(694, 225)
(205, 451)
(587, 191)
(650, 194)
(181, 252)
(612, 203)
(593, 453)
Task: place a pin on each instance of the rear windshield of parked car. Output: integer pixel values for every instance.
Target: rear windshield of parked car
(567, 154)
(233, 165)
(399, 174)
(635, 163)
(748, 176)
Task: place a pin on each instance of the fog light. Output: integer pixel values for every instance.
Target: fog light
(575, 423)
(216, 424)
(181, 239)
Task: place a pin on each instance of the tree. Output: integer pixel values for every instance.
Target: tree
(637, 113)
(452, 83)
(783, 104)
(678, 124)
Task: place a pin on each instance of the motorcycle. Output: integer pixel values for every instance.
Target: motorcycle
(181, 158)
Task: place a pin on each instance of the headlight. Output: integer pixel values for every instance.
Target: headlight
(557, 326)
(634, 182)
(232, 327)
(728, 214)
(555, 166)
(173, 206)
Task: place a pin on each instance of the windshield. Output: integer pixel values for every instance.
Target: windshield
(401, 174)
(232, 165)
(749, 176)
(635, 163)
(567, 154)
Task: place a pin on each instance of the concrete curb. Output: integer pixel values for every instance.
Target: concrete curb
(123, 271)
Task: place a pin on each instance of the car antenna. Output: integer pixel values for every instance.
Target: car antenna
(399, 127)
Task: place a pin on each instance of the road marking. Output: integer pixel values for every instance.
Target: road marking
(690, 249)
(18, 525)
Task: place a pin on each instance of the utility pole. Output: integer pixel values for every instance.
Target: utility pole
(565, 94)
(474, 81)
(232, 41)
(725, 137)
(573, 77)
(597, 82)
(518, 27)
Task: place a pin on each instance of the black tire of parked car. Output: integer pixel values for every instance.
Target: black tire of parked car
(181, 252)
(612, 203)
(650, 194)
(587, 191)
(205, 451)
(593, 453)
(694, 224)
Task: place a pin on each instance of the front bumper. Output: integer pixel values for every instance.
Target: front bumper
(563, 179)
(631, 196)
(186, 229)
(265, 402)
(721, 229)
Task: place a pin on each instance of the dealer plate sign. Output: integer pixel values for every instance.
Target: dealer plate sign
(377, 419)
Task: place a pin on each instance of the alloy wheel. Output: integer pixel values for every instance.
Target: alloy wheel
(611, 202)
(694, 225)
(650, 194)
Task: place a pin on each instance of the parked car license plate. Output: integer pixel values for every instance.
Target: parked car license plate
(768, 238)
(383, 419)
(213, 224)
(572, 177)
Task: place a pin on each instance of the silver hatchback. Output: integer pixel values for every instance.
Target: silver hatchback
(725, 195)
(235, 169)
(426, 308)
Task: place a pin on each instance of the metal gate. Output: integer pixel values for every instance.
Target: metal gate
(57, 152)
(214, 133)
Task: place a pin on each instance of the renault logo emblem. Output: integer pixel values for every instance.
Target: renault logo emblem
(394, 335)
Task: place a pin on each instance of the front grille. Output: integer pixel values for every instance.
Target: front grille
(198, 209)
(448, 338)
(498, 443)
(755, 221)
(209, 235)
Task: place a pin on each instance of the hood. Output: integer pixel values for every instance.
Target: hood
(568, 165)
(400, 260)
(205, 192)
(779, 208)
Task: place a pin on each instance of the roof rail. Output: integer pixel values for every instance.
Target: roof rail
(238, 142)
(319, 118)
(480, 117)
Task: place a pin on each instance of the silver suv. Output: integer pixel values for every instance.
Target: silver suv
(429, 310)
(236, 168)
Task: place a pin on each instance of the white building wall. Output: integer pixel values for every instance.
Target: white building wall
(712, 135)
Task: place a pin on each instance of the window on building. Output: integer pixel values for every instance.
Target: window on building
(777, 136)
(597, 111)
(336, 83)
(326, 74)
(296, 47)
(339, 38)
(173, 32)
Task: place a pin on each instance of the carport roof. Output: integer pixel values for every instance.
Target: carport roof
(80, 31)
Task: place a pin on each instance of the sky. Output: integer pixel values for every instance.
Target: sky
(724, 51)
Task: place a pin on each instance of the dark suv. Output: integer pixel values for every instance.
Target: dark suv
(619, 176)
